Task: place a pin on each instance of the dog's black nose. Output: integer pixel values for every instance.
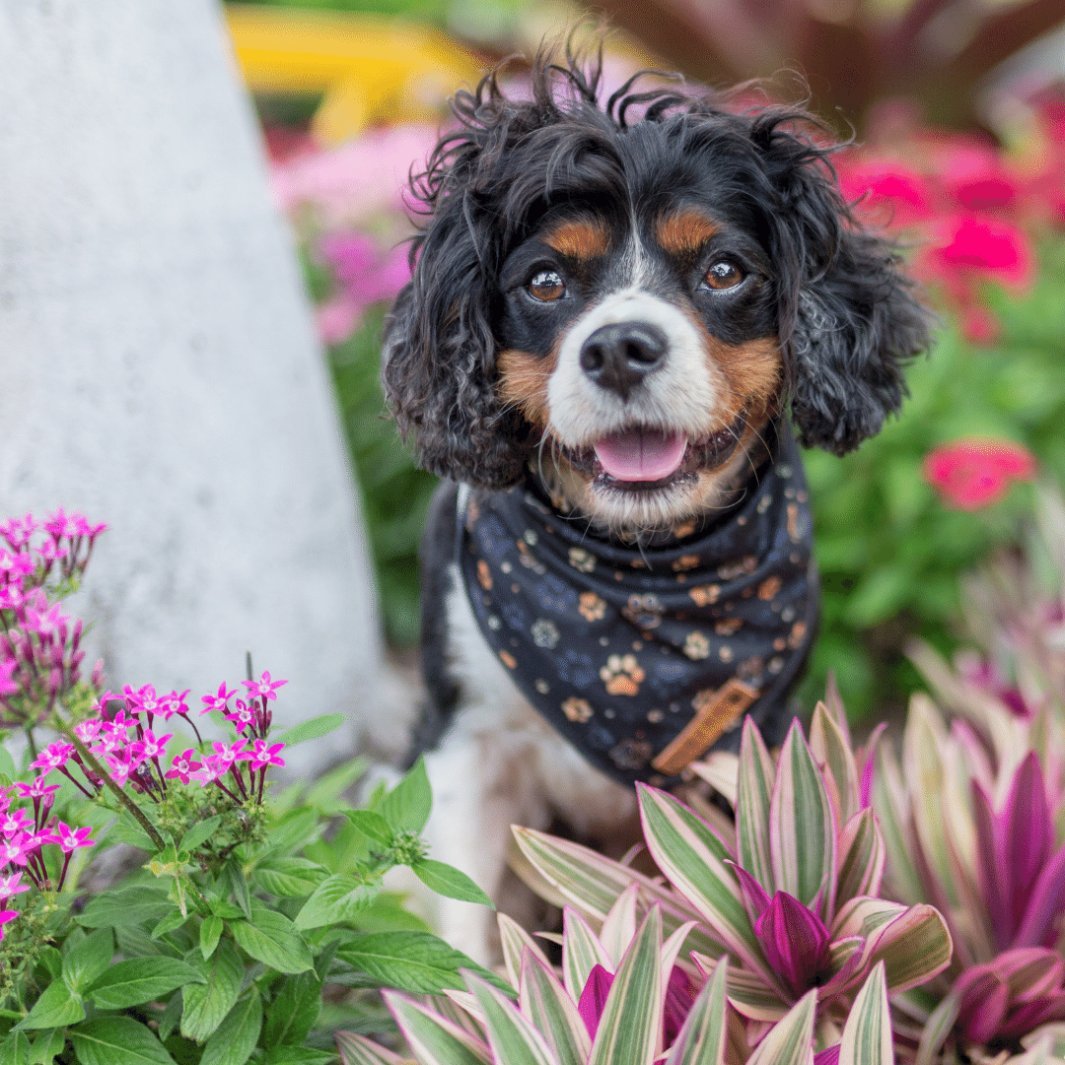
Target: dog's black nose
(618, 357)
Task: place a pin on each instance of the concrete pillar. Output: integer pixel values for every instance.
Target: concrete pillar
(158, 364)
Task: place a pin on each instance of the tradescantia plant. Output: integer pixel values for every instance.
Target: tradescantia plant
(789, 892)
(591, 1017)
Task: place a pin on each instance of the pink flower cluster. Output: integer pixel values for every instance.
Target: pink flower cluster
(40, 653)
(972, 209)
(128, 744)
(971, 474)
(24, 843)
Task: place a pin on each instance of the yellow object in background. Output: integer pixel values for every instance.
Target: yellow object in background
(368, 68)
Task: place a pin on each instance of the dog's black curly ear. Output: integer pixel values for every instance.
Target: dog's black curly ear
(439, 370)
(850, 318)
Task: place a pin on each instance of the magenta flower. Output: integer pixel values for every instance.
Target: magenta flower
(173, 703)
(242, 715)
(15, 821)
(11, 885)
(1022, 875)
(7, 672)
(218, 701)
(70, 839)
(262, 755)
(183, 766)
(6, 917)
(16, 850)
(149, 746)
(37, 789)
(226, 754)
(87, 731)
(47, 623)
(264, 687)
(54, 756)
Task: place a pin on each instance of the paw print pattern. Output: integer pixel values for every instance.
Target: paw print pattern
(622, 675)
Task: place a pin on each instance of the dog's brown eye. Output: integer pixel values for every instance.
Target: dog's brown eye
(724, 274)
(546, 286)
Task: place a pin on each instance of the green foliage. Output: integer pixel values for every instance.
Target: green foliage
(202, 957)
(890, 551)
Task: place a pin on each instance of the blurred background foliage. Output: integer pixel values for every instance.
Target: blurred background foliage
(960, 117)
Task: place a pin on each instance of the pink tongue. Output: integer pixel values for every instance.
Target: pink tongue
(641, 454)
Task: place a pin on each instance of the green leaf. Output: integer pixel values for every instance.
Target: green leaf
(290, 878)
(205, 1005)
(273, 939)
(581, 952)
(694, 860)
(299, 1056)
(867, 1034)
(551, 1011)
(406, 807)
(57, 1007)
(373, 826)
(791, 1041)
(630, 1027)
(434, 1039)
(47, 1046)
(129, 983)
(337, 900)
(914, 947)
(136, 904)
(512, 1038)
(411, 961)
(861, 865)
(210, 934)
(233, 878)
(170, 923)
(293, 1010)
(199, 833)
(15, 1049)
(514, 941)
(117, 1041)
(447, 880)
(85, 957)
(703, 1038)
(314, 729)
(802, 830)
(327, 792)
(237, 1035)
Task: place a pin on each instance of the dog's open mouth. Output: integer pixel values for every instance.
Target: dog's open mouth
(645, 459)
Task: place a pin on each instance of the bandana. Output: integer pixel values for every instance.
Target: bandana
(645, 657)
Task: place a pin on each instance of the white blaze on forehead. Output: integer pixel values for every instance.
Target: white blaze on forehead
(681, 394)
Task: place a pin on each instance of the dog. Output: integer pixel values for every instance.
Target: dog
(621, 316)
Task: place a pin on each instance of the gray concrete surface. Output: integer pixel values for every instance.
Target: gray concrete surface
(158, 365)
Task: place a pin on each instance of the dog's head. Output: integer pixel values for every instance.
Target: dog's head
(630, 300)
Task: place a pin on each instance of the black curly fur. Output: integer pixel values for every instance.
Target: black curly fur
(847, 317)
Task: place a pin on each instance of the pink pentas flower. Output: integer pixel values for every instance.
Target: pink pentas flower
(173, 703)
(263, 754)
(70, 839)
(37, 789)
(16, 850)
(18, 531)
(7, 674)
(54, 756)
(218, 701)
(242, 715)
(6, 917)
(150, 746)
(886, 190)
(264, 687)
(971, 474)
(183, 766)
(47, 623)
(14, 822)
(12, 885)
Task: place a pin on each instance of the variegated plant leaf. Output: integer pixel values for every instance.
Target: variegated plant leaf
(513, 1038)
(702, 1039)
(620, 925)
(802, 827)
(631, 1021)
(831, 748)
(356, 1049)
(592, 883)
(748, 993)
(581, 952)
(892, 809)
(867, 1033)
(862, 857)
(936, 1031)
(696, 861)
(720, 770)
(790, 1042)
(514, 941)
(433, 1039)
(544, 1000)
(757, 775)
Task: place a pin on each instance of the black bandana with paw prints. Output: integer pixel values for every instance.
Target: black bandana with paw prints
(645, 657)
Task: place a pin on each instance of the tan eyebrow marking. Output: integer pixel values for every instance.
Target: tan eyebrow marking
(685, 231)
(581, 239)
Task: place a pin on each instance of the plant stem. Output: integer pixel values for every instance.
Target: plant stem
(90, 760)
(32, 742)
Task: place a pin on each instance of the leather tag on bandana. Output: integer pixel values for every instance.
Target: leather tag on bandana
(714, 716)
